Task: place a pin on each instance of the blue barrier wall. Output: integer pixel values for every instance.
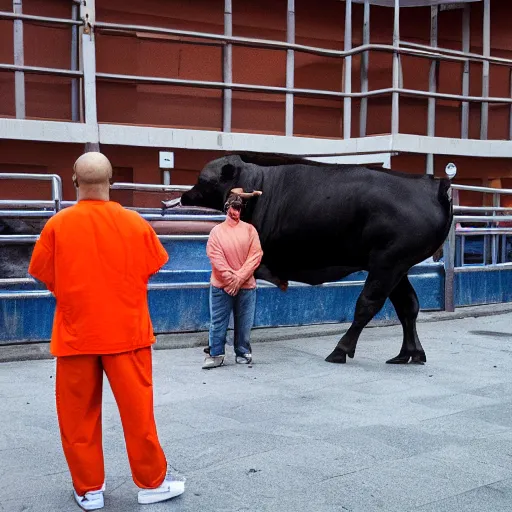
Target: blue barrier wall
(475, 286)
(178, 297)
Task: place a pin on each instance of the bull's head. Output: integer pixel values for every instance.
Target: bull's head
(213, 185)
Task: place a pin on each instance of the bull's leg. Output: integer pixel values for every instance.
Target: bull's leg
(406, 304)
(375, 292)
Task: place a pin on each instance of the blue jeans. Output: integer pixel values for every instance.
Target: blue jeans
(243, 305)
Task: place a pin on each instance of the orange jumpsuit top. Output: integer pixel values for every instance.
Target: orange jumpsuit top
(96, 258)
(234, 247)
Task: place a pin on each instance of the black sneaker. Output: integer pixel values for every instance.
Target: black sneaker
(206, 350)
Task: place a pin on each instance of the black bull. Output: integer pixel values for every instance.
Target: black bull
(320, 223)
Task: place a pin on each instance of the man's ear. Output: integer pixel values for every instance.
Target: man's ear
(228, 172)
(75, 181)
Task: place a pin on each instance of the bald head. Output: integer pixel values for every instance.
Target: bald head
(93, 169)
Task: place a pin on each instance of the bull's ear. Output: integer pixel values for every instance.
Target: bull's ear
(228, 172)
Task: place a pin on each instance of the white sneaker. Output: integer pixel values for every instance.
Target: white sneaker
(213, 362)
(170, 488)
(244, 358)
(92, 500)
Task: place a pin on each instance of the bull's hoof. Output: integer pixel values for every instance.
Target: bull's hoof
(337, 356)
(404, 359)
(399, 359)
(419, 359)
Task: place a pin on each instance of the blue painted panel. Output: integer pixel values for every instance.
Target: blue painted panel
(186, 255)
(179, 310)
(186, 309)
(483, 287)
(28, 319)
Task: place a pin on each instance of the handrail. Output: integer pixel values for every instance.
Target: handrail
(206, 84)
(54, 178)
(484, 231)
(28, 239)
(41, 70)
(405, 47)
(481, 209)
(28, 202)
(150, 187)
(27, 213)
(483, 189)
(5, 15)
(154, 80)
(467, 55)
(482, 218)
(269, 43)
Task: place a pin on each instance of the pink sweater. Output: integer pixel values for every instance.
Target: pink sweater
(234, 247)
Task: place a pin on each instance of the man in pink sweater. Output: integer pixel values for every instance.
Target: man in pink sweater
(235, 253)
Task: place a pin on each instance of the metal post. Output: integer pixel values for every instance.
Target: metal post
(75, 93)
(431, 129)
(496, 203)
(485, 69)
(365, 60)
(227, 68)
(395, 113)
(347, 101)
(510, 114)
(88, 63)
(466, 47)
(290, 67)
(19, 60)
(449, 270)
(449, 262)
(56, 194)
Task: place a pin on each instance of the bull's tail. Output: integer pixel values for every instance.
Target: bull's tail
(444, 195)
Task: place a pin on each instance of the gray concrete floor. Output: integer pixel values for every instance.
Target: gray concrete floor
(293, 433)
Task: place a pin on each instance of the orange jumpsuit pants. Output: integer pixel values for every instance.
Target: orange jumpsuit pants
(79, 385)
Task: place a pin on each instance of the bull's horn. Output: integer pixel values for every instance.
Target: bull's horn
(172, 203)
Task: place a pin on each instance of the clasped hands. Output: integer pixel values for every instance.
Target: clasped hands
(234, 283)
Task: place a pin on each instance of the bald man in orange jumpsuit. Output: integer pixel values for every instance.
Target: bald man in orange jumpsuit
(96, 258)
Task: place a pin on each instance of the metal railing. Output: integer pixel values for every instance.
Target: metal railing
(494, 235)
(46, 208)
(19, 67)
(87, 24)
(54, 204)
(398, 49)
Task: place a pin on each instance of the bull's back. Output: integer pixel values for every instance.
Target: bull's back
(346, 212)
(303, 197)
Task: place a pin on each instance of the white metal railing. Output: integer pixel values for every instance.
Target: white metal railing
(46, 208)
(56, 189)
(495, 237)
(19, 68)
